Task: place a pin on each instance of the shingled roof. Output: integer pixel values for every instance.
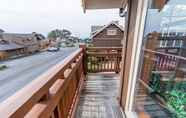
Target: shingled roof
(97, 29)
(5, 46)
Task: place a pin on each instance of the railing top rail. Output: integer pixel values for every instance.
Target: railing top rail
(104, 48)
(32, 92)
(103, 54)
(165, 54)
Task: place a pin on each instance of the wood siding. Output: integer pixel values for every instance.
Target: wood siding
(104, 40)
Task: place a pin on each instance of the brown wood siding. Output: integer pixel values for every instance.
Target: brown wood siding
(104, 40)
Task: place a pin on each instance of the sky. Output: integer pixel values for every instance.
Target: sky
(42, 16)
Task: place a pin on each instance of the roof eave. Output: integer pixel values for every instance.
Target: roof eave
(103, 4)
(100, 30)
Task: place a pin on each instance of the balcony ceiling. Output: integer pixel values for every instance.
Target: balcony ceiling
(110, 4)
(103, 4)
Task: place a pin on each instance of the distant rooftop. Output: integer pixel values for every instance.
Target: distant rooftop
(5, 46)
(96, 28)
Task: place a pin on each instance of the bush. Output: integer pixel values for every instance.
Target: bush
(2, 67)
(154, 82)
(176, 102)
(174, 94)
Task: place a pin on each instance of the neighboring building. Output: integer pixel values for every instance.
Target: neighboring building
(33, 42)
(71, 41)
(13, 44)
(110, 35)
(10, 49)
(173, 43)
(41, 41)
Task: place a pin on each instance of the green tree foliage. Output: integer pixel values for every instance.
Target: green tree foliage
(176, 101)
(87, 40)
(174, 95)
(59, 33)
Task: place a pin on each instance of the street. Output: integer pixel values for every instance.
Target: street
(21, 71)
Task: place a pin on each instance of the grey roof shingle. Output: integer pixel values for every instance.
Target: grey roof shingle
(9, 46)
(15, 36)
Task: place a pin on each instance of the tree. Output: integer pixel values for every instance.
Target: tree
(87, 40)
(57, 33)
(65, 33)
(54, 33)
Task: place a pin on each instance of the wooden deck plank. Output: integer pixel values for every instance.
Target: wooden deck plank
(99, 97)
(150, 105)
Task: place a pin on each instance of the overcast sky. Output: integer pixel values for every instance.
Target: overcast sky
(25, 16)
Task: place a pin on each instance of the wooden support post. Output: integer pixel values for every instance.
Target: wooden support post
(83, 46)
(148, 63)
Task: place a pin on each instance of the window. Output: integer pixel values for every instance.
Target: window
(160, 88)
(163, 43)
(170, 43)
(178, 43)
(111, 32)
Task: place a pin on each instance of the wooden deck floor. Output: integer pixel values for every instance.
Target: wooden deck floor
(99, 97)
(150, 105)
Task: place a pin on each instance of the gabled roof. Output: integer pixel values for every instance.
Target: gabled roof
(95, 28)
(104, 27)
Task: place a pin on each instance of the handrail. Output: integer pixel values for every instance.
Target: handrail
(104, 48)
(51, 86)
(162, 63)
(166, 54)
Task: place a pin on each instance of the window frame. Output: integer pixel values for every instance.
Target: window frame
(135, 40)
(112, 32)
(134, 63)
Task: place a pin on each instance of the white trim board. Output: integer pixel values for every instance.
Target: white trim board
(137, 45)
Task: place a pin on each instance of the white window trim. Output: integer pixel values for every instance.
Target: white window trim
(181, 43)
(115, 33)
(137, 45)
(161, 42)
(166, 42)
(174, 43)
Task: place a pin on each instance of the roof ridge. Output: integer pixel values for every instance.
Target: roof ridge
(105, 26)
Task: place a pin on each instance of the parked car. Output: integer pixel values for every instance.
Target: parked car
(53, 49)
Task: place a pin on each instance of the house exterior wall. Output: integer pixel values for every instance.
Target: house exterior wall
(30, 41)
(11, 53)
(104, 40)
(3, 55)
(43, 44)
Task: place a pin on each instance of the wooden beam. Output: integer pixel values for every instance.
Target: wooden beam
(159, 4)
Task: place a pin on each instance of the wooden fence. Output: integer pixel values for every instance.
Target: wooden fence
(103, 59)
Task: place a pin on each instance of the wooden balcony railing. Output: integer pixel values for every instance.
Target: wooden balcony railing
(103, 59)
(55, 93)
(162, 63)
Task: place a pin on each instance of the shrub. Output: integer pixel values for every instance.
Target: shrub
(2, 67)
(174, 93)
(176, 102)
